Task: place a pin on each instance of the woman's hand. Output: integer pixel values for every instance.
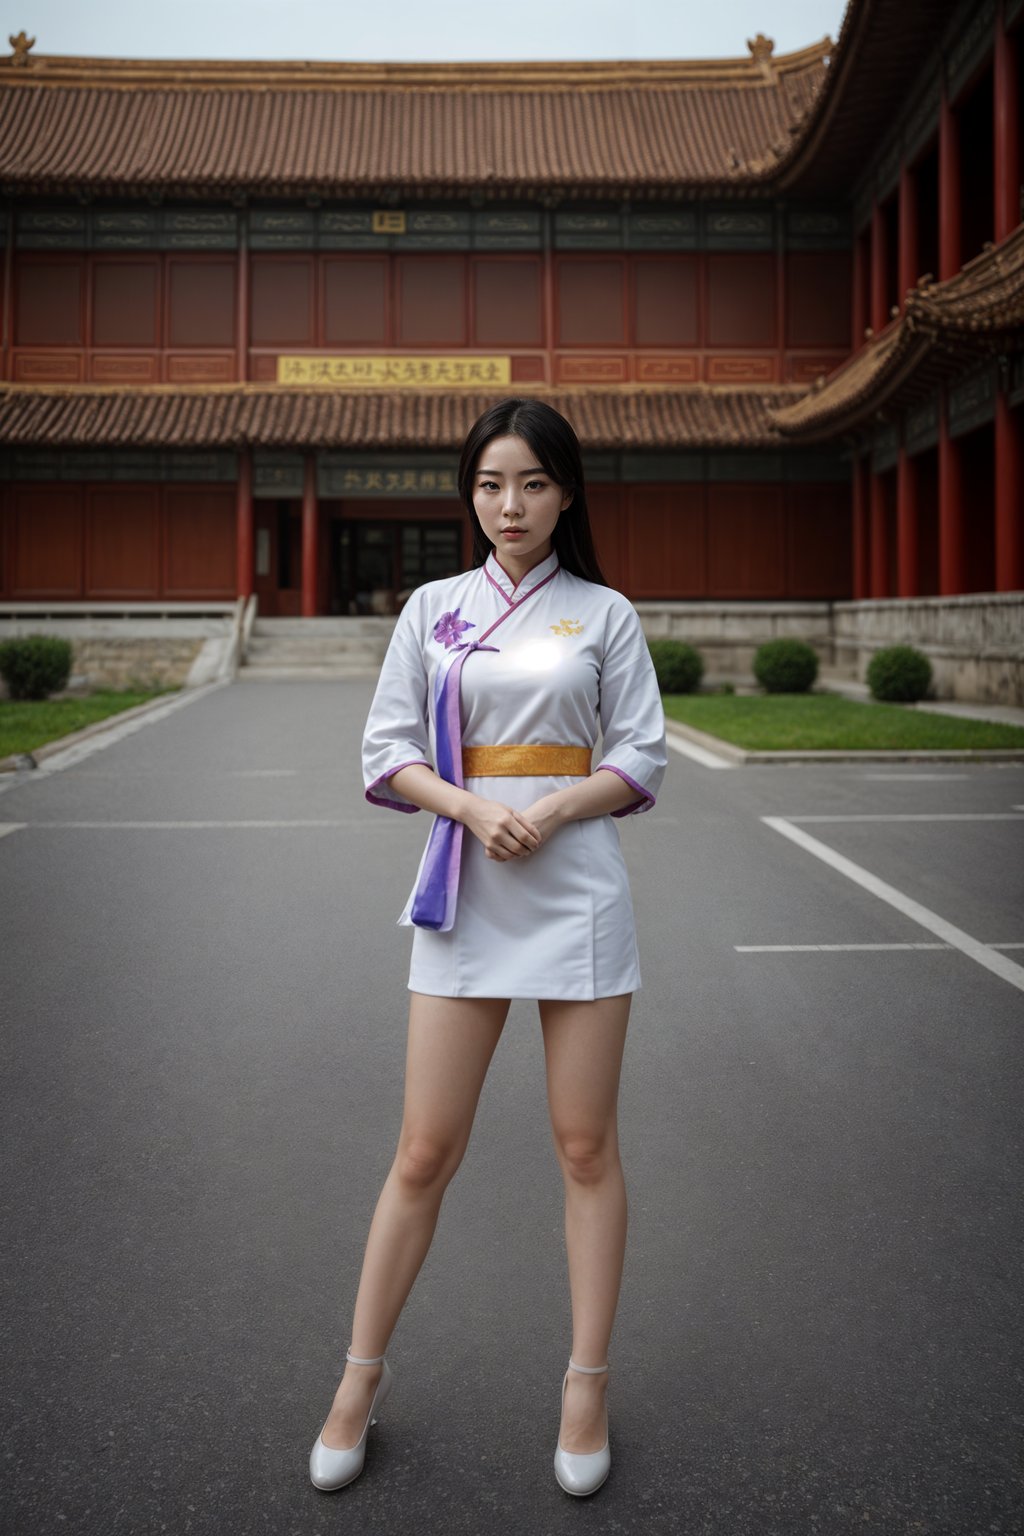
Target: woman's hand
(504, 832)
(546, 814)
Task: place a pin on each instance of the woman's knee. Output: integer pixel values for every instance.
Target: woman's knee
(587, 1157)
(424, 1162)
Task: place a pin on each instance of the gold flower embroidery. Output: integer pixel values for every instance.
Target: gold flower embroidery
(568, 627)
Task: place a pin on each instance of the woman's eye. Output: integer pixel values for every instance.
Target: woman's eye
(536, 484)
(488, 485)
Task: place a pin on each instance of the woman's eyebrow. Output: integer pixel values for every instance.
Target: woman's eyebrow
(537, 470)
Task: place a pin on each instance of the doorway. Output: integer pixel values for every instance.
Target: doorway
(379, 557)
(277, 564)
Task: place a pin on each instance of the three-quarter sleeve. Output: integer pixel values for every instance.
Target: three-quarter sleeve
(631, 712)
(397, 730)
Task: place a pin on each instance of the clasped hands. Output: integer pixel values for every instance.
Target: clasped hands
(510, 834)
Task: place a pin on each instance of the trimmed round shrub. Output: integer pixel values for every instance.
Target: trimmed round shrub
(899, 674)
(35, 666)
(785, 666)
(679, 666)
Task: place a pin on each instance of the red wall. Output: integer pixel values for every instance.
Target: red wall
(570, 317)
(117, 542)
(722, 540)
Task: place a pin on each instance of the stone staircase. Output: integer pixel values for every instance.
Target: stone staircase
(322, 648)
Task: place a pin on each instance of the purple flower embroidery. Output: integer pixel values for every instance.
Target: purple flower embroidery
(449, 629)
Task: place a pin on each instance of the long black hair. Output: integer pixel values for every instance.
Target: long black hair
(557, 449)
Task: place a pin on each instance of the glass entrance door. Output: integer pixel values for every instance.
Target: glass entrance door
(378, 564)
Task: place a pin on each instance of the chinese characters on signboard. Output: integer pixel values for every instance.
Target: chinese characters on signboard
(367, 482)
(418, 371)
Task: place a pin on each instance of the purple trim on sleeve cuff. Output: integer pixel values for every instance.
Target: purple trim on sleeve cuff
(393, 805)
(646, 798)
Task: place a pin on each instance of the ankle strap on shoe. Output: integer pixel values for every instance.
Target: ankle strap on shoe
(591, 1370)
(363, 1359)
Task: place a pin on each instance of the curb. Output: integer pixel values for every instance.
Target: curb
(20, 760)
(740, 755)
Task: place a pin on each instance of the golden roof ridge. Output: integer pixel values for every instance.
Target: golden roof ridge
(357, 75)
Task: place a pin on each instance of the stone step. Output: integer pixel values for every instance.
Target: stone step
(327, 672)
(362, 627)
(260, 649)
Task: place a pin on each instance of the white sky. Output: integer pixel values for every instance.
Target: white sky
(419, 29)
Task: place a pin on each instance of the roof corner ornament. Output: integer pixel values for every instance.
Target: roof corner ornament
(761, 49)
(21, 45)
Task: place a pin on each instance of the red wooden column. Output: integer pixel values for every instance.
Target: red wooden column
(244, 525)
(1006, 128)
(1009, 477)
(909, 261)
(879, 552)
(242, 302)
(879, 311)
(309, 538)
(861, 540)
(952, 511)
(949, 189)
(907, 523)
(858, 317)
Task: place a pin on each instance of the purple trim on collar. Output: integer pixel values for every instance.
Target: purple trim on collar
(494, 570)
(499, 589)
(646, 798)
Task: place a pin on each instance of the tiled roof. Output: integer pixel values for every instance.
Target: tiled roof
(798, 124)
(879, 58)
(698, 416)
(128, 127)
(942, 327)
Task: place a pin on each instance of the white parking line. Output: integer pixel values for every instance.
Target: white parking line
(10, 826)
(916, 776)
(916, 816)
(766, 949)
(698, 753)
(149, 826)
(973, 948)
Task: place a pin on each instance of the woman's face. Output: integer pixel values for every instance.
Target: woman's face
(518, 504)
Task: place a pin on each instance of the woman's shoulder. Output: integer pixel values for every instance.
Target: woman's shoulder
(608, 599)
(444, 590)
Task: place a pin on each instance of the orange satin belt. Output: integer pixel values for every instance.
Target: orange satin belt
(525, 762)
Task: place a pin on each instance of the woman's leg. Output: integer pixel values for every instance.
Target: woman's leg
(583, 1047)
(450, 1045)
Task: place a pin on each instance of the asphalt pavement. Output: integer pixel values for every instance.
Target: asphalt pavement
(204, 999)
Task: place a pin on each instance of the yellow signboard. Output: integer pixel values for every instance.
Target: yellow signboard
(389, 370)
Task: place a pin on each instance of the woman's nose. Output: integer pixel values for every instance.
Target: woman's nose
(510, 503)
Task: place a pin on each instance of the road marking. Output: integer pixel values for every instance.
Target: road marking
(999, 964)
(763, 949)
(260, 773)
(10, 826)
(146, 826)
(917, 816)
(698, 753)
(916, 776)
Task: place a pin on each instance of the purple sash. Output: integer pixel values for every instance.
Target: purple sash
(434, 899)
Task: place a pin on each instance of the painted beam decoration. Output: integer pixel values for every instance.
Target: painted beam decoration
(392, 370)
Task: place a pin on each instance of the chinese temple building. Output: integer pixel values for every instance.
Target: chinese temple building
(251, 309)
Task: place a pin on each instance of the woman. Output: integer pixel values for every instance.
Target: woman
(502, 678)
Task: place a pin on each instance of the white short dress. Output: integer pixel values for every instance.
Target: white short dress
(477, 660)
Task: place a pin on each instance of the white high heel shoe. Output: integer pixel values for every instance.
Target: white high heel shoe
(331, 1468)
(582, 1472)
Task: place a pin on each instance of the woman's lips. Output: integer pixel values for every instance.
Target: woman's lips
(512, 533)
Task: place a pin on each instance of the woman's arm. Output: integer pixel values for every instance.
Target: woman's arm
(505, 833)
(599, 795)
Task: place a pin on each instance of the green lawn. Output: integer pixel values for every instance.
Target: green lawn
(26, 724)
(817, 721)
